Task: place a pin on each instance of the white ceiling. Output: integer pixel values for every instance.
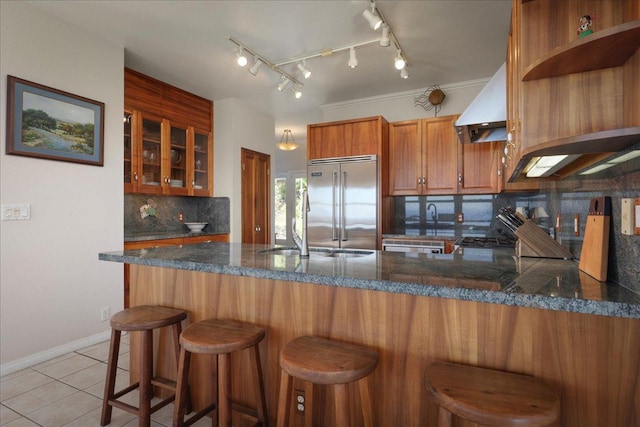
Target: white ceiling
(185, 43)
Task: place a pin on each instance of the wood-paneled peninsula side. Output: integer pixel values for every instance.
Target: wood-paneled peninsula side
(477, 306)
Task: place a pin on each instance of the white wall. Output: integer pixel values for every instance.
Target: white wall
(52, 285)
(400, 106)
(237, 125)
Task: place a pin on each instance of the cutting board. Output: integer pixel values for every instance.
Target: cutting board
(595, 246)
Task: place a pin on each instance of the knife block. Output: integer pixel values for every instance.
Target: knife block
(535, 242)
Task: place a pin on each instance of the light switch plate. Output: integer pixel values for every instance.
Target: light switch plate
(626, 217)
(15, 212)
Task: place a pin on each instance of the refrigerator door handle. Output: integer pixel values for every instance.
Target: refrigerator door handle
(343, 228)
(333, 206)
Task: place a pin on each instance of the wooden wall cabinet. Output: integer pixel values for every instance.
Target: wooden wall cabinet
(425, 157)
(570, 94)
(346, 138)
(168, 139)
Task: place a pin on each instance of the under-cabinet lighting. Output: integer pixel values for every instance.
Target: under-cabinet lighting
(547, 165)
(612, 162)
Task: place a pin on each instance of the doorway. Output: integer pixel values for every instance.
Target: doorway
(256, 184)
(288, 190)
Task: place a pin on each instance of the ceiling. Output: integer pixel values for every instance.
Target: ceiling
(186, 44)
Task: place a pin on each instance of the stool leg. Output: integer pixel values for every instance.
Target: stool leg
(444, 418)
(260, 398)
(286, 381)
(110, 382)
(224, 390)
(180, 407)
(367, 406)
(177, 330)
(342, 405)
(146, 373)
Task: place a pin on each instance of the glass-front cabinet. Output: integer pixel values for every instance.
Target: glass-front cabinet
(165, 158)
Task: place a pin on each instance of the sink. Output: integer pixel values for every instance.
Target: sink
(337, 253)
(347, 253)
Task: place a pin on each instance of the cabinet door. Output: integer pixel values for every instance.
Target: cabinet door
(255, 197)
(175, 159)
(440, 155)
(130, 156)
(202, 176)
(480, 168)
(405, 159)
(149, 142)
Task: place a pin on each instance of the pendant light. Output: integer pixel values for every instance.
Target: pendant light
(285, 144)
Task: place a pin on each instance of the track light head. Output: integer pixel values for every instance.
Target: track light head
(404, 74)
(256, 65)
(399, 61)
(384, 38)
(283, 83)
(370, 15)
(296, 92)
(302, 66)
(240, 58)
(353, 61)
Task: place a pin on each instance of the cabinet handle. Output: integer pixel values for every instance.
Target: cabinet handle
(460, 178)
(135, 176)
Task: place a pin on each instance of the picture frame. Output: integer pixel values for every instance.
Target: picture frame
(48, 123)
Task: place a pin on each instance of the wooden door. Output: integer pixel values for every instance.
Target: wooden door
(405, 161)
(256, 182)
(440, 155)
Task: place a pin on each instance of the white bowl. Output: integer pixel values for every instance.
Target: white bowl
(196, 227)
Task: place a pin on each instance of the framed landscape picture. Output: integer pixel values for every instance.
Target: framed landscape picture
(51, 124)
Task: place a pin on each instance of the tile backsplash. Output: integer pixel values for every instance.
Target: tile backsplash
(214, 210)
(415, 215)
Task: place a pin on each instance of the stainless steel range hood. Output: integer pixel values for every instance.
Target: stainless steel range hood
(484, 120)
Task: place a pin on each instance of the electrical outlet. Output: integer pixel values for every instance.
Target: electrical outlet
(626, 217)
(460, 217)
(576, 224)
(180, 217)
(300, 400)
(105, 313)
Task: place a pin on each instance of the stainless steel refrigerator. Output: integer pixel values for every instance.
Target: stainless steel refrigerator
(343, 198)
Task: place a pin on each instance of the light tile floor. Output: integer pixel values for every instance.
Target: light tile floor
(67, 391)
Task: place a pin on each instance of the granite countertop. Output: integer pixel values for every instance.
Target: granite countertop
(483, 275)
(159, 235)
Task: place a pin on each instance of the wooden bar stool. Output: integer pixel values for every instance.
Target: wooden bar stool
(490, 397)
(327, 362)
(143, 319)
(220, 337)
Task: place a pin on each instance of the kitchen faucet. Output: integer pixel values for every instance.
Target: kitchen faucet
(302, 243)
(434, 217)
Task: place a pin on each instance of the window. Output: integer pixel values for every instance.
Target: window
(288, 203)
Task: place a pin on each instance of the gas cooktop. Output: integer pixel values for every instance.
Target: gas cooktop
(486, 242)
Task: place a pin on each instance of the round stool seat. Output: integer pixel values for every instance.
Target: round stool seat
(323, 361)
(492, 397)
(215, 336)
(145, 317)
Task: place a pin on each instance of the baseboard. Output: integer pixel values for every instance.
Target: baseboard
(52, 353)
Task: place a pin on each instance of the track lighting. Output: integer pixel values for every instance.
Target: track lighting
(404, 74)
(302, 66)
(370, 15)
(353, 61)
(241, 59)
(256, 65)
(399, 61)
(296, 92)
(283, 83)
(384, 39)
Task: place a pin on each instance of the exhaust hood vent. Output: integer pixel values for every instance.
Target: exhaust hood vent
(484, 120)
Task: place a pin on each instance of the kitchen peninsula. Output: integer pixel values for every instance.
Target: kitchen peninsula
(477, 306)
